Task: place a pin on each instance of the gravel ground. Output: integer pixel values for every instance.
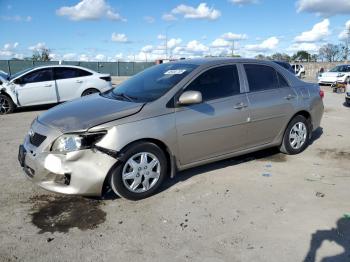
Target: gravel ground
(259, 207)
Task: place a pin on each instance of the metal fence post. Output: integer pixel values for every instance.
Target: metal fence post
(8, 66)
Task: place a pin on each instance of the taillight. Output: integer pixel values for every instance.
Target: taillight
(322, 94)
(106, 78)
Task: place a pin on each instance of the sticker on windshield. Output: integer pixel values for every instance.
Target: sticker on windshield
(175, 72)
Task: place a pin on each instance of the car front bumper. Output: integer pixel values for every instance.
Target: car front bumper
(79, 173)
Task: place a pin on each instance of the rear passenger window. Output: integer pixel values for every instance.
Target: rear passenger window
(217, 82)
(261, 77)
(67, 72)
(282, 81)
(84, 73)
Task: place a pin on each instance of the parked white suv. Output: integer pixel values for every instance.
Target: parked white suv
(299, 70)
(48, 85)
(340, 73)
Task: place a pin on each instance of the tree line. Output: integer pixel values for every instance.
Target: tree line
(326, 53)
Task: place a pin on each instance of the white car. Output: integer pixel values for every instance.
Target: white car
(299, 70)
(340, 73)
(347, 94)
(48, 85)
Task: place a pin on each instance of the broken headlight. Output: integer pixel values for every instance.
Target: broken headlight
(74, 142)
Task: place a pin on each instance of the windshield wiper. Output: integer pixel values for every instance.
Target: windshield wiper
(129, 98)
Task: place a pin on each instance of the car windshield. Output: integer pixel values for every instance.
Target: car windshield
(339, 69)
(151, 83)
(19, 73)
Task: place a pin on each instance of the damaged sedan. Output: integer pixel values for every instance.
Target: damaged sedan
(167, 118)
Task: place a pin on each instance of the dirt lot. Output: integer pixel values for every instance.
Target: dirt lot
(260, 207)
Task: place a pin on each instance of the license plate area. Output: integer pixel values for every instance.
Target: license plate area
(21, 158)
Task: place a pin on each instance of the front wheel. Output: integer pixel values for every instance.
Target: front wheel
(297, 136)
(6, 105)
(142, 172)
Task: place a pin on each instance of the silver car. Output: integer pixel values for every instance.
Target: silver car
(167, 118)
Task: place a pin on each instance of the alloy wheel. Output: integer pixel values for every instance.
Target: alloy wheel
(141, 172)
(297, 135)
(4, 106)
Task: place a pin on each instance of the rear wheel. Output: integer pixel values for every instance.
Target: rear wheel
(6, 105)
(90, 91)
(297, 136)
(142, 172)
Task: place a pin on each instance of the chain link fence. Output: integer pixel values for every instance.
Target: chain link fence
(112, 68)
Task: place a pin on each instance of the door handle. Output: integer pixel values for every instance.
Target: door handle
(289, 97)
(240, 105)
(48, 85)
(78, 81)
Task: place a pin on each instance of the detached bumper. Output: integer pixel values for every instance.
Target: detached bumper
(78, 173)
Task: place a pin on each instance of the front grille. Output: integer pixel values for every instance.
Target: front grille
(37, 139)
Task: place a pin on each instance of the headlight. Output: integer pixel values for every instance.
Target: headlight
(74, 142)
(340, 75)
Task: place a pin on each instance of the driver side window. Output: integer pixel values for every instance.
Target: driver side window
(216, 83)
(37, 76)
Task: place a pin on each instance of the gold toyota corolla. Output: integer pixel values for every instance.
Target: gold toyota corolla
(169, 117)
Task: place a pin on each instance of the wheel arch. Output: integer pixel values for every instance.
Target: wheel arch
(303, 113)
(170, 158)
(88, 88)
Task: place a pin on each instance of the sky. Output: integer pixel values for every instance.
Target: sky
(111, 30)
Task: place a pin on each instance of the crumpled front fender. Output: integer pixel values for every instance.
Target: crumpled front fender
(5, 89)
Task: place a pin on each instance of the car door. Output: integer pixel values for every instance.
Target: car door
(69, 82)
(216, 126)
(271, 103)
(36, 87)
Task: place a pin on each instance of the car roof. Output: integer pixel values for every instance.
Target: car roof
(62, 66)
(219, 60)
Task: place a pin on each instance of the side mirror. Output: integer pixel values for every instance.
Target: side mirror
(17, 81)
(190, 98)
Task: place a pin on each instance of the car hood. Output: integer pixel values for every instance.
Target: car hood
(87, 112)
(330, 74)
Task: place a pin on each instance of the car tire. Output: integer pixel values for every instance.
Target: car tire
(296, 136)
(90, 91)
(141, 173)
(6, 105)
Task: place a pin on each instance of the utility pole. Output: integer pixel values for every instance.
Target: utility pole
(347, 44)
(233, 48)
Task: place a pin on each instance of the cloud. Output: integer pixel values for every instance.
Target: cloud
(9, 50)
(39, 46)
(202, 11)
(243, 2)
(100, 57)
(220, 42)
(344, 34)
(120, 38)
(318, 32)
(267, 45)
(16, 18)
(90, 10)
(168, 17)
(147, 49)
(309, 47)
(161, 37)
(324, 7)
(232, 36)
(149, 19)
(174, 42)
(70, 56)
